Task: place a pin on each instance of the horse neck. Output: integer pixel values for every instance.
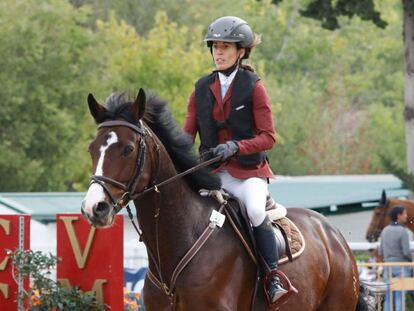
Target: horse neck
(181, 217)
(409, 206)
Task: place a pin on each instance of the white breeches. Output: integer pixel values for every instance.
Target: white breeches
(251, 191)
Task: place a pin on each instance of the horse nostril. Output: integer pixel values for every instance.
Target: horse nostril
(101, 208)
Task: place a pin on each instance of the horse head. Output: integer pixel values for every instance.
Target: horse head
(379, 220)
(119, 153)
(138, 143)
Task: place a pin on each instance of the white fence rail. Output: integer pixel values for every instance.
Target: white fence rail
(364, 246)
(135, 255)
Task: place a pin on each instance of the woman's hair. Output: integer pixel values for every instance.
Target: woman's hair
(257, 40)
(397, 210)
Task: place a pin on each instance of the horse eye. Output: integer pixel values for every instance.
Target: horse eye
(128, 150)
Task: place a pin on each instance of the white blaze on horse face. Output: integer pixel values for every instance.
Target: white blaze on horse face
(95, 192)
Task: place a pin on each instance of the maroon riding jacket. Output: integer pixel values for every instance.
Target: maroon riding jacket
(263, 128)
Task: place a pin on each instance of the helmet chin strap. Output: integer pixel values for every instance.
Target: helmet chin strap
(227, 72)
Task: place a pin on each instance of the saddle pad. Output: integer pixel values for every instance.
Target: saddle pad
(296, 240)
(277, 211)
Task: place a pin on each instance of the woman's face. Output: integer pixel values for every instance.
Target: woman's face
(225, 54)
(402, 218)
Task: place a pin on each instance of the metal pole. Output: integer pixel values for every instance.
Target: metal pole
(391, 294)
(403, 291)
(20, 304)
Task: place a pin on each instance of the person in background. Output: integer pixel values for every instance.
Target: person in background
(370, 274)
(395, 247)
(231, 112)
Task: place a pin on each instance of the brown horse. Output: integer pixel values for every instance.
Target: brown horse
(381, 219)
(138, 145)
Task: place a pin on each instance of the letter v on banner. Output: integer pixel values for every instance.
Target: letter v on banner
(80, 255)
(91, 258)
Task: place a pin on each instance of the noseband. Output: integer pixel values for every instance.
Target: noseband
(129, 187)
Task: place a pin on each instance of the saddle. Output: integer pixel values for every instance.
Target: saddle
(290, 240)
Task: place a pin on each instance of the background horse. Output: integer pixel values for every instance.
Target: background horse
(380, 218)
(138, 145)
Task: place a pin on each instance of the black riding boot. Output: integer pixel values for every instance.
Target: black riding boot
(266, 243)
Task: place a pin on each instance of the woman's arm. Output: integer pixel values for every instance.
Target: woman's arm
(190, 124)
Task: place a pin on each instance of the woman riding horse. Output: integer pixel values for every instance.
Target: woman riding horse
(232, 113)
(138, 147)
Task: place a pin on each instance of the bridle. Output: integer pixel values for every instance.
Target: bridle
(129, 187)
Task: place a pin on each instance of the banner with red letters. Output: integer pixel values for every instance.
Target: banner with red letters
(91, 258)
(14, 234)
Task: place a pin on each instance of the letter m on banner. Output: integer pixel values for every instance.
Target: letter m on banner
(91, 258)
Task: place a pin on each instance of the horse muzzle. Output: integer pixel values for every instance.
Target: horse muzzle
(99, 215)
(373, 237)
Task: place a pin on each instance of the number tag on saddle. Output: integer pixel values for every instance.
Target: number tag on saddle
(217, 219)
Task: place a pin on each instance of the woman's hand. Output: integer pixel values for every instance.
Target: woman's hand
(226, 150)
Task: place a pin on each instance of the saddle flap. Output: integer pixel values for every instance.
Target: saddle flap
(294, 237)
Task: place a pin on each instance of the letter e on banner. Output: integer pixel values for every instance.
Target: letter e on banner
(91, 258)
(14, 234)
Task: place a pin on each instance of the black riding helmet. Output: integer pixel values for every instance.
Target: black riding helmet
(230, 29)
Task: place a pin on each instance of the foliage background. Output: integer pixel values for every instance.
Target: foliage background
(337, 96)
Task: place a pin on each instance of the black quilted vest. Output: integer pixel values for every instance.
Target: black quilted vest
(240, 120)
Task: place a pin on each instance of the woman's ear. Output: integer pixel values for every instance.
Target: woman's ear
(242, 52)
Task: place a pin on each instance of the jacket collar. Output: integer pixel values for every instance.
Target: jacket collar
(216, 90)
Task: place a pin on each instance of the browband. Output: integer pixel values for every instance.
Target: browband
(122, 123)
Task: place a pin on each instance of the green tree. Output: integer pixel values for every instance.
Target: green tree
(335, 94)
(306, 73)
(327, 89)
(45, 61)
(165, 61)
(328, 12)
(140, 13)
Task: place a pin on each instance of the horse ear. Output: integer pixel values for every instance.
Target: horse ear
(98, 111)
(383, 198)
(138, 108)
